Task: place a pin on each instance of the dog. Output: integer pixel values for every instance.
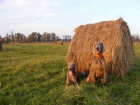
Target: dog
(74, 76)
(97, 72)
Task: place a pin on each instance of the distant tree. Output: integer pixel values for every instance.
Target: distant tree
(7, 39)
(136, 38)
(19, 37)
(32, 37)
(24, 39)
(66, 38)
(44, 37)
(1, 39)
(53, 37)
(48, 37)
(133, 38)
(12, 36)
(58, 38)
(38, 37)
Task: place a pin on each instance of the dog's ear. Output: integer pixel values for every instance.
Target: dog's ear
(73, 67)
(103, 48)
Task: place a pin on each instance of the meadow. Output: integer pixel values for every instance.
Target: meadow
(35, 74)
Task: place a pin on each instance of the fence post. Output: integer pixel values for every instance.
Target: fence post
(0, 45)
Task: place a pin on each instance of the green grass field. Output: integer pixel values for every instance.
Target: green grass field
(35, 74)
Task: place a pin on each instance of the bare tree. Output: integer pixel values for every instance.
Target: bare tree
(19, 37)
(38, 37)
(32, 37)
(44, 37)
(48, 37)
(7, 39)
(12, 36)
(53, 37)
(136, 38)
(24, 39)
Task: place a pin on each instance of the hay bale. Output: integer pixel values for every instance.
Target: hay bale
(12, 43)
(59, 43)
(117, 41)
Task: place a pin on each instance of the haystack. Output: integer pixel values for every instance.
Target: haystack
(59, 43)
(12, 43)
(117, 42)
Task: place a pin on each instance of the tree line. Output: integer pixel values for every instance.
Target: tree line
(136, 38)
(45, 37)
(34, 37)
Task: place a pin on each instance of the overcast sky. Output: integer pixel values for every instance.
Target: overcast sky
(62, 16)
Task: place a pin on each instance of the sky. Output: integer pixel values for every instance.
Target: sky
(63, 16)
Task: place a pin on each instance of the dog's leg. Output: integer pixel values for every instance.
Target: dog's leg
(104, 72)
(91, 78)
(94, 78)
(104, 77)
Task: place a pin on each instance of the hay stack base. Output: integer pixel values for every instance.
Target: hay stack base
(117, 41)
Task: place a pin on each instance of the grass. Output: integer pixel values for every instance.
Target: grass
(35, 74)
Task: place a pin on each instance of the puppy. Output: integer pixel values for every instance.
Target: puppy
(98, 72)
(74, 76)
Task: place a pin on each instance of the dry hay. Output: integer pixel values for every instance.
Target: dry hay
(59, 42)
(12, 43)
(117, 41)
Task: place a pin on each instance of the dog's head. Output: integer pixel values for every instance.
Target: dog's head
(72, 66)
(98, 48)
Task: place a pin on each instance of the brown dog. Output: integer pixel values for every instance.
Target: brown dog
(98, 70)
(74, 76)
